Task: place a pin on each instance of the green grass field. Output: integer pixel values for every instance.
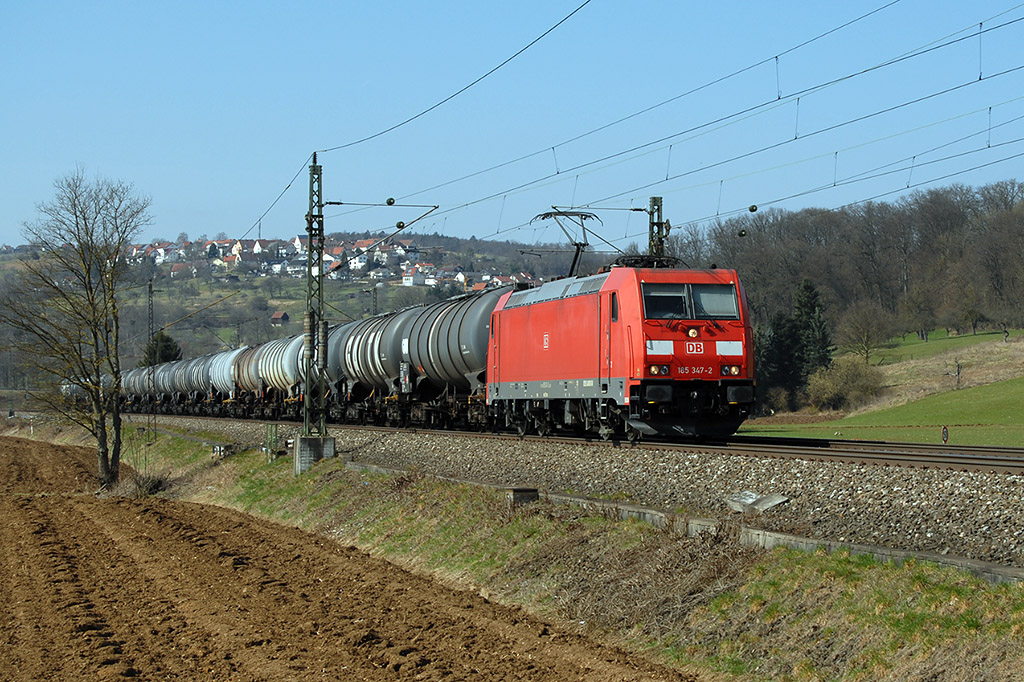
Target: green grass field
(912, 348)
(984, 415)
(987, 414)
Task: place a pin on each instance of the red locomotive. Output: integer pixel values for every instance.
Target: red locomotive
(639, 350)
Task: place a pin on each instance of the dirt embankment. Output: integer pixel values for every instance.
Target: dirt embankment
(100, 588)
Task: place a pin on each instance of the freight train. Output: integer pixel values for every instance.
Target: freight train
(636, 350)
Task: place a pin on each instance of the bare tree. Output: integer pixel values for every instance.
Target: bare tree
(65, 304)
(863, 329)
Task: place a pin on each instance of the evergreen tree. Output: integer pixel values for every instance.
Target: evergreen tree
(815, 339)
(792, 347)
(161, 348)
(776, 361)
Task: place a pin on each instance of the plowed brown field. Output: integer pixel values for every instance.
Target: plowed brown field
(101, 588)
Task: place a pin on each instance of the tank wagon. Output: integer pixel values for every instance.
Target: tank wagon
(635, 350)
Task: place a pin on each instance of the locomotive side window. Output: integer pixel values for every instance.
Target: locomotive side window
(715, 301)
(615, 307)
(666, 301)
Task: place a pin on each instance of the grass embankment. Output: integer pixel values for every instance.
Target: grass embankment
(984, 415)
(705, 604)
(981, 406)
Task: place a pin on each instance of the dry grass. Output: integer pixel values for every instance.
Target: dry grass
(982, 363)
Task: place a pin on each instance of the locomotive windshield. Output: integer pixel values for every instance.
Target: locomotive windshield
(680, 301)
(715, 300)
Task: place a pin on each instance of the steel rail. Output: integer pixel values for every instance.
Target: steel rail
(990, 459)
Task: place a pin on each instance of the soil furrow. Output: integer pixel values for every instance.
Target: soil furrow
(97, 588)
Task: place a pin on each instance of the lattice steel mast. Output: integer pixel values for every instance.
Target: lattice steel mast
(314, 349)
(657, 231)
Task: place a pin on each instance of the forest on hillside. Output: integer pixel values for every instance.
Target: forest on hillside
(848, 279)
(950, 257)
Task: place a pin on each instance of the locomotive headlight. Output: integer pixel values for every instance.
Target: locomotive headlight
(658, 370)
(692, 332)
(730, 370)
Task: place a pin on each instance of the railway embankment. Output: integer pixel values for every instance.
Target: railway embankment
(976, 516)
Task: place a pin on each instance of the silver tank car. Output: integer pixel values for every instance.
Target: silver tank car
(279, 364)
(448, 342)
(190, 376)
(135, 382)
(222, 371)
(444, 344)
(164, 377)
(247, 369)
(336, 336)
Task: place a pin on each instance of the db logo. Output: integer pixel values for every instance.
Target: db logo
(694, 348)
(547, 342)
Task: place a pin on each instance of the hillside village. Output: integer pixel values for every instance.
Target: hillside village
(399, 262)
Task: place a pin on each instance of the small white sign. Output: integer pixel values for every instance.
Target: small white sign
(659, 347)
(729, 347)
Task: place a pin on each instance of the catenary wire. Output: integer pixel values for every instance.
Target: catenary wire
(932, 46)
(648, 109)
(836, 126)
(947, 41)
(460, 91)
(562, 173)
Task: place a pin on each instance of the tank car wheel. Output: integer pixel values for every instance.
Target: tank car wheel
(543, 427)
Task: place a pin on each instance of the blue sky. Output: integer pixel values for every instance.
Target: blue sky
(213, 109)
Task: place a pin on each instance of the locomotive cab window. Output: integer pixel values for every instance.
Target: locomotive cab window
(663, 301)
(715, 301)
(679, 301)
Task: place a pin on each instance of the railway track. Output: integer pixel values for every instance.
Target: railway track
(1004, 460)
(989, 459)
(908, 497)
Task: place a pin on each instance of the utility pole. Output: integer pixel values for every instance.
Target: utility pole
(658, 230)
(151, 373)
(314, 444)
